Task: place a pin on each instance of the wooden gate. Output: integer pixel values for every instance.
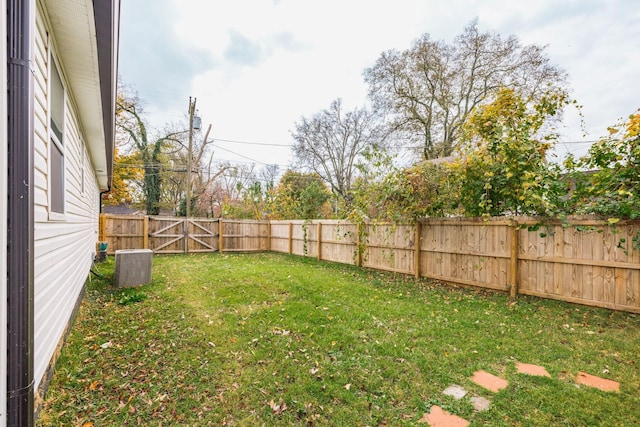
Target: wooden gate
(202, 235)
(169, 235)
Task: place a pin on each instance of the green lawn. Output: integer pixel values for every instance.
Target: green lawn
(268, 339)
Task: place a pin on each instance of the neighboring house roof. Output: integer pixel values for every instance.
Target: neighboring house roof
(88, 31)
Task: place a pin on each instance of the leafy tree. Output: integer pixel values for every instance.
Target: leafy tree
(505, 170)
(300, 196)
(431, 88)
(423, 190)
(230, 189)
(607, 181)
(125, 172)
(332, 142)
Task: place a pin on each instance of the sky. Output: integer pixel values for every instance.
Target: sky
(256, 67)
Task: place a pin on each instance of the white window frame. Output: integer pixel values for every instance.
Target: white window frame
(56, 142)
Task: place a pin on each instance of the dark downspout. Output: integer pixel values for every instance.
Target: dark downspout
(20, 397)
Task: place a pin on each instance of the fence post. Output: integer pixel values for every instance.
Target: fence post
(102, 228)
(319, 240)
(416, 251)
(268, 236)
(513, 267)
(290, 238)
(359, 245)
(220, 235)
(145, 231)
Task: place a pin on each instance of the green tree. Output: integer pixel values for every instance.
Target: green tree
(607, 181)
(385, 193)
(430, 89)
(504, 169)
(126, 171)
(300, 196)
(426, 189)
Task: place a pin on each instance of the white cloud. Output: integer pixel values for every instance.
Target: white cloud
(258, 66)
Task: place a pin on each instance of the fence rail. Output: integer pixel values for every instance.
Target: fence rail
(588, 262)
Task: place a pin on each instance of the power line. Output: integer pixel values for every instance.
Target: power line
(252, 143)
(243, 156)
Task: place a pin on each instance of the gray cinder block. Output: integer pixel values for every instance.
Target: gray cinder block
(133, 267)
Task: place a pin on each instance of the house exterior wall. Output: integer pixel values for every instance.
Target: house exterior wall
(63, 244)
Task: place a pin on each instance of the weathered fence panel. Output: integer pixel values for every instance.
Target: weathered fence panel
(281, 236)
(470, 252)
(304, 238)
(389, 247)
(243, 235)
(122, 232)
(203, 235)
(587, 261)
(327, 240)
(167, 235)
(338, 241)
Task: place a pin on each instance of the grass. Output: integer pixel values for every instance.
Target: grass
(268, 339)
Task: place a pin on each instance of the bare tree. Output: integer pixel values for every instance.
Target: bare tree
(268, 175)
(431, 88)
(332, 142)
(164, 158)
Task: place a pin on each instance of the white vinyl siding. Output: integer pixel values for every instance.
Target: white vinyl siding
(63, 247)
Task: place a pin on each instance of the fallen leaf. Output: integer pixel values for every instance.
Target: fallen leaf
(278, 408)
(347, 387)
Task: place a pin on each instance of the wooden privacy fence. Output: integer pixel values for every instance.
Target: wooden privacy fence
(588, 262)
(171, 235)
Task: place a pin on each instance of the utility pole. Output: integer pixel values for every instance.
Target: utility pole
(192, 110)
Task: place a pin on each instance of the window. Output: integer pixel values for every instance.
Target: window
(56, 149)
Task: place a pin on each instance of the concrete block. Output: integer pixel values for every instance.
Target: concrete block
(455, 391)
(133, 267)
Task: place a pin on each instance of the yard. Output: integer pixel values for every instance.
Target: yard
(270, 339)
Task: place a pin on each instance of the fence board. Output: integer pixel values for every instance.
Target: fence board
(122, 232)
(280, 236)
(468, 252)
(589, 263)
(244, 235)
(166, 235)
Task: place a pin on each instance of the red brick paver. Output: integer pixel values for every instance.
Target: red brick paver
(597, 382)
(528, 369)
(439, 418)
(489, 381)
